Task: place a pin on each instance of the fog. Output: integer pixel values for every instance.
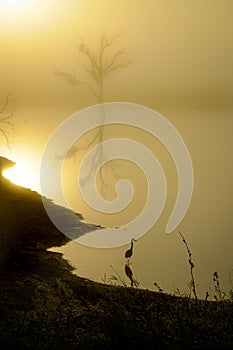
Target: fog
(182, 54)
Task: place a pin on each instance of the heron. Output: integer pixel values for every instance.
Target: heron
(129, 252)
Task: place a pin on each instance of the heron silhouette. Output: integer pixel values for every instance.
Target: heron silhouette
(129, 252)
(129, 274)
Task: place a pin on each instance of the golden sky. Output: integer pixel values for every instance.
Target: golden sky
(182, 52)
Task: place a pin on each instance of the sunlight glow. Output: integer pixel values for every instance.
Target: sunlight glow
(25, 16)
(12, 6)
(21, 174)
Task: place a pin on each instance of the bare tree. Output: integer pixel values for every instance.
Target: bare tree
(6, 115)
(98, 66)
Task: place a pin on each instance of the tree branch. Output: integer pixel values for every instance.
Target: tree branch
(115, 57)
(6, 113)
(72, 80)
(116, 67)
(6, 136)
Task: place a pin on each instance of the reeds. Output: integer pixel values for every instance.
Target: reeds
(191, 264)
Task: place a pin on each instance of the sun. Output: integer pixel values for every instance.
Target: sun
(30, 16)
(13, 6)
(23, 175)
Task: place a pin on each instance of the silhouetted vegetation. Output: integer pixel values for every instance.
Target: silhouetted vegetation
(191, 264)
(7, 109)
(43, 305)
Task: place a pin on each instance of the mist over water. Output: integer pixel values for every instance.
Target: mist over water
(207, 226)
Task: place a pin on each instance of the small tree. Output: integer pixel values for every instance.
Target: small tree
(6, 115)
(99, 65)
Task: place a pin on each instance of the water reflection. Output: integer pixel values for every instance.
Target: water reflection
(129, 273)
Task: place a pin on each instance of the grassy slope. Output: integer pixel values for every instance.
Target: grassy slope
(43, 305)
